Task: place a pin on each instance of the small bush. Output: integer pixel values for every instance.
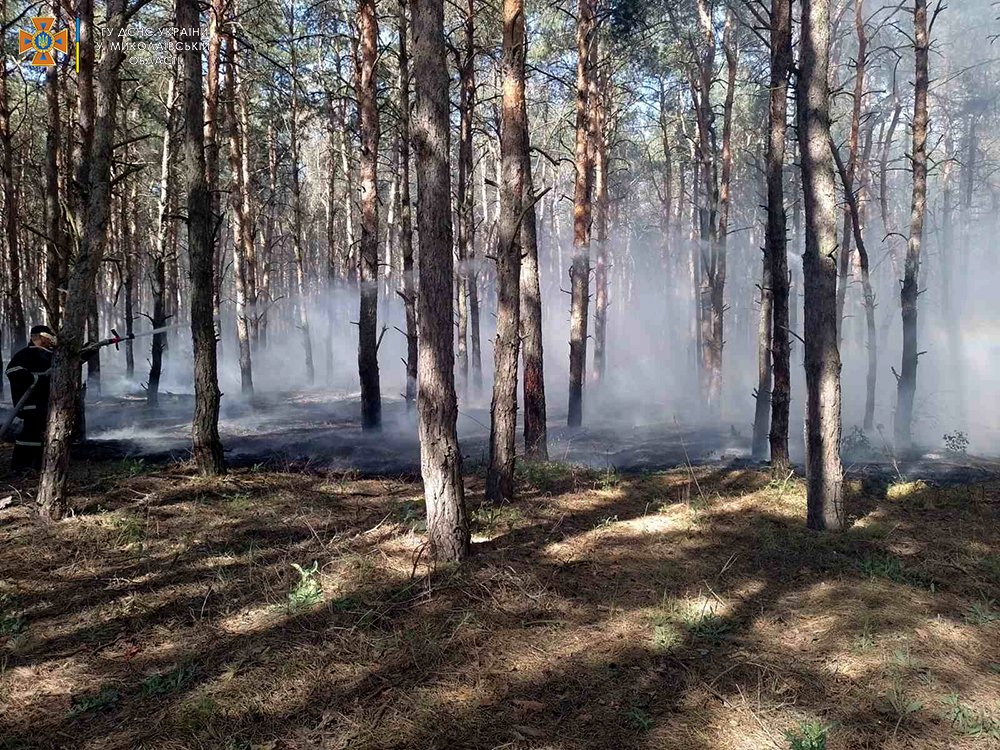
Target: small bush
(810, 735)
(107, 698)
(132, 467)
(11, 622)
(639, 719)
(168, 682)
(969, 721)
(308, 591)
(856, 444)
(550, 477)
(982, 613)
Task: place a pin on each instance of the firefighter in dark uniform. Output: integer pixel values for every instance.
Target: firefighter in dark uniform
(29, 369)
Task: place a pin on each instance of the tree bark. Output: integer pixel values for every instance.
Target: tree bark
(217, 12)
(240, 203)
(602, 209)
(298, 241)
(774, 384)
(465, 192)
(579, 272)
(824, 472)
(866, 286)
(513, 146)
(535, 430)
(129, 210)
(718, 256)
(158, 261)
(408, 286)
(56, 252)
(440, 456)
(844, 256)
(205, 427)
(365, 84)
(96, 201)
(906, 382)
(11, 220)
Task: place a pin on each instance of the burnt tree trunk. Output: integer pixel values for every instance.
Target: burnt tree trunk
(718, 260)
(906, 382)
(158, 261)
(96, 204)
(579, 272)
(775, 375)
(129, 210)
(205, 427)
(824, 472)
(440, 457)
(94, 334)
(513, 146)
(866, 286)
(217, 11)
(365, 84)
(535, 431)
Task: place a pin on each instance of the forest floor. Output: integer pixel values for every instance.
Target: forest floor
(687, 609)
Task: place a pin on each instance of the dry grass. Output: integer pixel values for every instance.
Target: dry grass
(601, 611)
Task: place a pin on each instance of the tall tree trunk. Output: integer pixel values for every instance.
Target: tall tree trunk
(440, 456)
(365, 84)
(776, 236)
(708, 209)
(240, 202)
(94, 334)
(464, 195)
(205, 427)
(774, 370)
(11, 220)
(66, 373)
(906, 382)
(158, 261)
(408, 286)
(947, 259)
(129, 209)
(298, 241)
(824, 472)
(56, 252)
(269, 227)
(844, 256)
(513, 147)
(601, 218)
(216, 20)
(333, 260)
(579, 272)
(718, 255)
(535, 431)
(866, 286)
(667, 206)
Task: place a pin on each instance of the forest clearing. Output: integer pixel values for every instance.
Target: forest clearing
(487, 374)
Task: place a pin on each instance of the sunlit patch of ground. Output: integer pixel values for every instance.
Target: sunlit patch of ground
(688, 609)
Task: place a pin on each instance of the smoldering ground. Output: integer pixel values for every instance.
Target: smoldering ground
(642, 415)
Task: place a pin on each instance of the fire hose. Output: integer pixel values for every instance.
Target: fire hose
(88, 349)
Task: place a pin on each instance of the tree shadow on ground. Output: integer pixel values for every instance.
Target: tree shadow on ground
(687, 609)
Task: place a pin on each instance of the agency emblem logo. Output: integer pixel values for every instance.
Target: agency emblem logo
(44, 41)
